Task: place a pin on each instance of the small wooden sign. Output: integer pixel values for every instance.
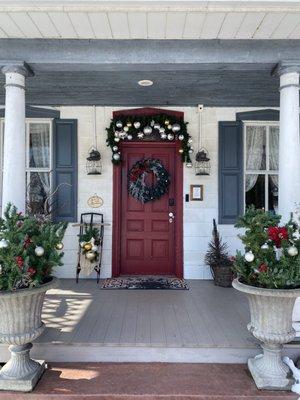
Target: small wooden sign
(196, 192)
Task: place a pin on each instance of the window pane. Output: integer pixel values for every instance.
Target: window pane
(255, 148)
(273, 193)
(39, 145)
(255, 190)
(274, 148)
(38, 191)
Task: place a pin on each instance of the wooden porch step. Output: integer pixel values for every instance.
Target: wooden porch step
(147, 381)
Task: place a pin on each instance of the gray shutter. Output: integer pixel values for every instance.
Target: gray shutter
(230, 171)
(65, 169)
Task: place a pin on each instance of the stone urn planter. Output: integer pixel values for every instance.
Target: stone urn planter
(271, 323)
(20, 324)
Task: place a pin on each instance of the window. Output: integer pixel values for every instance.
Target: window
(38, 162)
(261, 148)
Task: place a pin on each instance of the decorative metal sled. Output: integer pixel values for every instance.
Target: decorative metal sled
(90, 245)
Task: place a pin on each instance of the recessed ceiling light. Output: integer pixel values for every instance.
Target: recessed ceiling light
(145, 82)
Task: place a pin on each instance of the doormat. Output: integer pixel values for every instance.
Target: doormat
(144, 283)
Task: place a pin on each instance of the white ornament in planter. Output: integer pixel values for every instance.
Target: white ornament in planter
(271, 322)
(20, 324)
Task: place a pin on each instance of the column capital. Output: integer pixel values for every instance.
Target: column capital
(19, 67)
(285, 67)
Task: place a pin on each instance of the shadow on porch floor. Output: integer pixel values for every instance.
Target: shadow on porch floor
(147, 382)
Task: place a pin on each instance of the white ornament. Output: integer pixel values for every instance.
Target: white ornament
(137, 124)
(163, 135)
(140, 135)
(4, 243)
(190, 141)
(82, 244)
(162, 130)
(170, 136)
(116, 156)
(292, 251)
(129, 137)
(180, 137)
(126, 129)
(156, 126)
(94, 248)
(191, 150)
(39, 251)
(176, 128)
(115, 148)
(90, 255)
(119, 124)
(169, 126)
(249, 256)
(147, 130)
(117, 134)
(122, 135)
(117, 139)
(265, 246)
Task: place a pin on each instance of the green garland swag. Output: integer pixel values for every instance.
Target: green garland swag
(137, 186)
(144, 128)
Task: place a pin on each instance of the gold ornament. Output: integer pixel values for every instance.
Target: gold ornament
(181, 151)
(169, 126)
(59, 246)
(167, 122)
(129, 124)
(87, 246)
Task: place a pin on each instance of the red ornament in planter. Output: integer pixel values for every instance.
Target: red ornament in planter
(20, 261)
(263, 268)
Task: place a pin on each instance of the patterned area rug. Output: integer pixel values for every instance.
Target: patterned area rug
(144, 283)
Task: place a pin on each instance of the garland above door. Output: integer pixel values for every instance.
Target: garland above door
(159, 127)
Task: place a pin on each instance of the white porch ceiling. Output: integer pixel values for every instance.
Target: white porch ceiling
(75, 19)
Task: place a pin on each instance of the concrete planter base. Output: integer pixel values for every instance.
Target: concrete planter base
(271, 322)
(21, 323)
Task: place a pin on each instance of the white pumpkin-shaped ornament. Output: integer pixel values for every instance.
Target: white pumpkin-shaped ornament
(265, 246)
(249, 256)
(292, 251)
(39, 251)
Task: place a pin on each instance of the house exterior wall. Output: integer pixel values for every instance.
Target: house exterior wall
(198, 215)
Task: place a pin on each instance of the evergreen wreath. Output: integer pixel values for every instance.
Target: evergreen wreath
(159, 127)
(137, 186)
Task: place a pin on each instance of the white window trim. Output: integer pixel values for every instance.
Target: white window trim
(265, 172)
(28, 169)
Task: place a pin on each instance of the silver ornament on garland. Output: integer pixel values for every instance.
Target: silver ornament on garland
(170, 136)
(116, 156)
(129, 136)
(119, 124)
(163, 135)
(147, 130)
(140, 135)
(249, 256)
(4, 243)
(162, 130)
(122, 135)
(117, 139)
(190, 141)
(137, 124)
(39, 251)
(191, 150)
(115, 148)
(180, 137)
(156, 126)
(292, 251)
(176, 128)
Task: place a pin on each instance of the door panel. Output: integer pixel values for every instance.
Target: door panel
(147, 236)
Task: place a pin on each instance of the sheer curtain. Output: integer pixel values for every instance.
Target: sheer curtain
(40, 152)
(255, 148)
(273, 151)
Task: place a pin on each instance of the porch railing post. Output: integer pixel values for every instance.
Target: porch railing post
(14, 168)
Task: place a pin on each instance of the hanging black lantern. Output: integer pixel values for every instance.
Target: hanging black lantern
(202, 164)
(93, 162)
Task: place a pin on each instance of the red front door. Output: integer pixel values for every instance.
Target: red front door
(149, 243)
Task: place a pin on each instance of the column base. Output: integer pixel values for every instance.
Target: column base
(268, 370)
(25, 384)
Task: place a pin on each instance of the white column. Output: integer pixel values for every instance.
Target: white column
(14, 173)
(289, 144)
(289, 152)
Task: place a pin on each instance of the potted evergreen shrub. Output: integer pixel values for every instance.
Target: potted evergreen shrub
(269, 274)
(218, 259)
(29, 250)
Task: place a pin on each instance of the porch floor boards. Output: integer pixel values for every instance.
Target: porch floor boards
(205, 315)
